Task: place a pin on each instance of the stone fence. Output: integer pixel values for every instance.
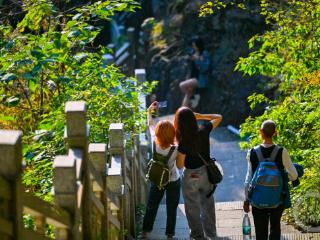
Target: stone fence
(97, 186)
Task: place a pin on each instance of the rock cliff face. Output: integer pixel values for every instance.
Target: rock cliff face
(225, 34)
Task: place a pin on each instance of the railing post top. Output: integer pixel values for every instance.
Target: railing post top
(64, 174)
(116, 135)
(10, 137)
(76, 124)
(139, 71)
(140, 75)
(10, 153)
(75, 106)
(116, 127)
(63, 162)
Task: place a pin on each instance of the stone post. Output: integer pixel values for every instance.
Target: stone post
(142, 143)
(98, 157)
(65, 189)
(117, 170)
(11, 166)
(133, 190)
(77, 139)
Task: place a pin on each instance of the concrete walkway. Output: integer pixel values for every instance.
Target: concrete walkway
(228, 196)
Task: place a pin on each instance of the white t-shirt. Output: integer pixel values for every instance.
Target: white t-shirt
(174, 172)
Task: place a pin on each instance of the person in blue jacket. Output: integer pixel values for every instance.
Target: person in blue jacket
(200, 68)
(200, 63)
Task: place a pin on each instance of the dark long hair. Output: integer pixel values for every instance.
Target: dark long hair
(186, 127)
(199, 43)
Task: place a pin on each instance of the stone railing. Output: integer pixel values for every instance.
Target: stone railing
(125, 56)
(96, 186)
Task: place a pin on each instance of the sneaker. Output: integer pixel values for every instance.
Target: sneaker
(143, 235)
(170, 237)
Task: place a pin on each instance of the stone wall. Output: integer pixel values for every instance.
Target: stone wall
(225, 34)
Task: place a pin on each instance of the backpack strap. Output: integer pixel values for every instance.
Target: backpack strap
(274, 153)
(154, 147)
(272, 157)
(170, 153)
(259, 153)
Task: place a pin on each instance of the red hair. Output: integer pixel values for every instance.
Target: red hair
(165, 133)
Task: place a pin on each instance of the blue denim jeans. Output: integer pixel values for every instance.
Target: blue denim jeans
(200, 210)
(172, 200)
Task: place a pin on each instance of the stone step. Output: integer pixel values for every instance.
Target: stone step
(229, 223)
(302, 236)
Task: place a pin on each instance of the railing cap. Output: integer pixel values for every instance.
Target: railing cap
(116, 126)
(75, 106)
(63, 162)
(9, 137)
(139, 71)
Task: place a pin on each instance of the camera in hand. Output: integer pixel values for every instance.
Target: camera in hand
(162, 104)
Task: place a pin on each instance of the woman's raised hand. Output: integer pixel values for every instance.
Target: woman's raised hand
(153, 106)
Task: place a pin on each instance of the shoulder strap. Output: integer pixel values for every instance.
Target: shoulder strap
(204, 161)
(170, 153)
(272, 156)
(154, 147)
(274, 153)
(259, 153)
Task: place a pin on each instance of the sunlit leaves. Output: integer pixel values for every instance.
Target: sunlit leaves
(289, 55)
(9, 77)
(45, 63)
(209, 7)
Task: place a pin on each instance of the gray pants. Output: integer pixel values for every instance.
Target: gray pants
(200, 210)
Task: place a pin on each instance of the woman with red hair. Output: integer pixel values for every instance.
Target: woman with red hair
(163, 135)
(194, 146)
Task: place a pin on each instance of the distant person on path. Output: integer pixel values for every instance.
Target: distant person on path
(194, 142)
(197, 84)
(256, 157)
(163, 136)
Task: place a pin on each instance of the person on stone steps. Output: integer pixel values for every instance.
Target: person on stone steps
(194, 87)
(264, 216)
(193, 142)
(163, 135)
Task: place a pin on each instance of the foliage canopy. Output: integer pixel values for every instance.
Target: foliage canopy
(289, 55)
(49, 58)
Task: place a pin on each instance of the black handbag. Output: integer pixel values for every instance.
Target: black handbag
(214, 170)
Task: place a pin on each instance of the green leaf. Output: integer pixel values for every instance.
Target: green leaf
(75, 33)
(80, 56)
(9, 77)
(27, 76)
(12, 101)
(37, 53)
(64, 79)
(77, 16)
(6, 118)
(36, 69)
(23, 62)
(10, 45)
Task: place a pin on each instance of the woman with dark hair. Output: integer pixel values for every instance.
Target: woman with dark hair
(201, 61)
(194, 143)
(200, 64)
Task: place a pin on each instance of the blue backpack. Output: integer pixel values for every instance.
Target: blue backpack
(266, 188)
